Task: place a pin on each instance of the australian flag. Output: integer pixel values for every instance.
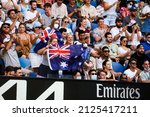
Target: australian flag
(63, 58)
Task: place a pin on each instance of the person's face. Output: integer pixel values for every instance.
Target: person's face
(88, 1)
(102, 75)
(82, 36)
(108, 65)
(10, 73)
(34, 6)
(22, 28)
(18, 72)
(134, 13)
(66, 21)
(70, 39)
(109, 38)
(95, 53)
(106, 52)
(47, 9)
(148, 38)
(83, 23)
(133, 64)
(101, 22)
(13, 15)
(6, 28)
(54, 42)
(64, 34)
(146, 65)
(119, 24)
(59, 2)
(124, 42)
(72, 1)
(140, 50)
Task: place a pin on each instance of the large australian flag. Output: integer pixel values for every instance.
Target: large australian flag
(64, 57)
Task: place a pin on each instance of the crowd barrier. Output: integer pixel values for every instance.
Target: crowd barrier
(67, 89)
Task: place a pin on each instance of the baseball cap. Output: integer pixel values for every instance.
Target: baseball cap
(119, 20)
(37, 24)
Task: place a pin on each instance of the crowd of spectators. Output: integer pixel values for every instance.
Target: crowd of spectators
(115, 33)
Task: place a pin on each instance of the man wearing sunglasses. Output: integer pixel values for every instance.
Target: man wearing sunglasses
(133, 72)
(8, 47)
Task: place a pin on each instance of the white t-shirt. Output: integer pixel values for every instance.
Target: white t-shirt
(10, 57)
(88, 11)
(130, 73)
(59, 11)
(112, 10)
(16, 26)
(114, 31)
(146, 9)
(135, 40)
(30, 15)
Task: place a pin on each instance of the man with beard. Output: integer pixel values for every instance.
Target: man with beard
(132, 17)
(145, 74)
(118, 31)
(112, 46)
(140, 56)
(32, 15)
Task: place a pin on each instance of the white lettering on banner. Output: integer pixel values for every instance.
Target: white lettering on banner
(21, 89)
(57, 88)
(117, 92)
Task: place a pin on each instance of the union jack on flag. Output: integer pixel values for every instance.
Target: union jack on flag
(58, 57)
(61, 52)
(46, 34)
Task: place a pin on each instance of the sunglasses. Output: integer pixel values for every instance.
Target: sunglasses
(93, 73)
(66, 22)
(133, 62)
(125, 41)
(106, 51)
(6, 27)
(38, 27)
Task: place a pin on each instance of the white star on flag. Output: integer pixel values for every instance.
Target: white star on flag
(63, 64)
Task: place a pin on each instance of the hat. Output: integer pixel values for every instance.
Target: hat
(132, 9)
(119, 20)
(37, 24)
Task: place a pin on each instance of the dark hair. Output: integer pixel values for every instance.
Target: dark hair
(62, 30)
(9, 68)
(147, 34)
(138, 46)
(107, 33)
(100, 18)
(132, 59)
(99, 71)
(105, 47)
(15, 10)
(81, 32)
(47, 5)
(16, 68)
(104, 62)
(5, 24)
(91, 71)
(32, 1)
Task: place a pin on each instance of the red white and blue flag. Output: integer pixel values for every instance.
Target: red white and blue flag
(46, 34)
(61, 58)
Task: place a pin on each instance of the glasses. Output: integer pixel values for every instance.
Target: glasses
(93, 73)
(38, 27)
(133, 63)
(6, 27)
(66, 22)
(125, 41)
